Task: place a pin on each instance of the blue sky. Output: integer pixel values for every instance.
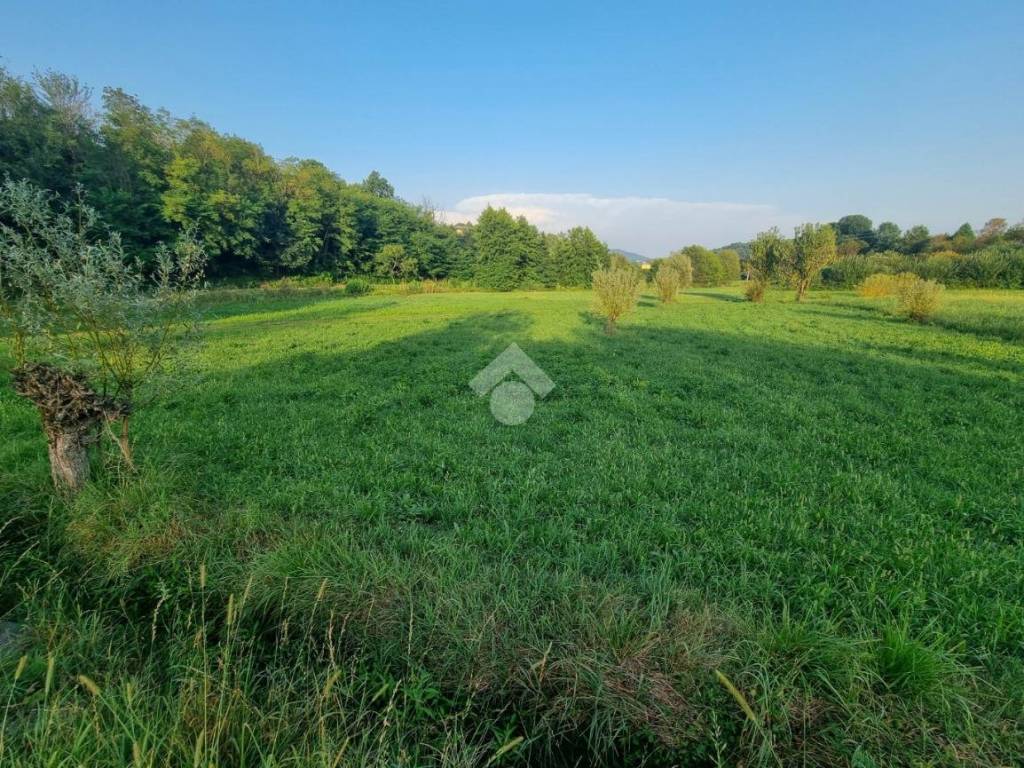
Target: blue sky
(658, 124)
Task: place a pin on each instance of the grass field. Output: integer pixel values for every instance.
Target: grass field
(732, 534)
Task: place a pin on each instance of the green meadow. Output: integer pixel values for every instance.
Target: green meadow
(732, 534)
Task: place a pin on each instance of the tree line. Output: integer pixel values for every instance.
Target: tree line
(992, 257)
(151, 176)
(855, 235)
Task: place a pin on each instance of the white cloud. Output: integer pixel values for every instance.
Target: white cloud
(652, 226)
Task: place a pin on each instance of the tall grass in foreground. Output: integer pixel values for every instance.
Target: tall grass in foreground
(201, 679)
(205, 685)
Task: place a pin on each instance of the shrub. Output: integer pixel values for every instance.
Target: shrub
(668, 281)
(853, 270)
(938, 266)
(755, 290)
(993, 267)
(358, 286)
(681, 263)
(615, 293)
(876, 286)
(882, 285)
(997, 266)
(285, 286)
(918, 299)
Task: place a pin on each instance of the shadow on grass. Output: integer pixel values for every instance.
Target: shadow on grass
(256, 303)
(1004, 328)
(715, 296)
(984, 328)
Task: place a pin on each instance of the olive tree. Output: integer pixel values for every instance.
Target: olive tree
(88, 325)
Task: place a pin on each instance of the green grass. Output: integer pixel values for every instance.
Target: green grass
(820, 501)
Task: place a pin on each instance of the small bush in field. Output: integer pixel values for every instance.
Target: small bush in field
(876, 286)
(882, 285)
(615, 294)
(358, 286)
(668, 282)
(919, 299)
(755, 290)
(681, 263)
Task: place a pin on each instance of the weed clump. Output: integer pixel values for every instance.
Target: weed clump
(358, 286)
(755, 290)
(292, 284)
(919, 299)
(882, 285)
(912, 670)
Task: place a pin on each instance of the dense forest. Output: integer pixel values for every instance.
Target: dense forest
(151, 176)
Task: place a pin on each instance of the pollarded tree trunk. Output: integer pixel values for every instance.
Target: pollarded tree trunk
(71, 413)
(69, 460)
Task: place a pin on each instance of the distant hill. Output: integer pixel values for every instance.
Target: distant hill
(634, 257)
(743, 249)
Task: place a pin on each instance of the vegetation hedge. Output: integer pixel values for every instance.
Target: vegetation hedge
(998, 266)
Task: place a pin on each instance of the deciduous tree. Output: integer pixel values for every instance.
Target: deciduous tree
(770, 252)
(378, 186)
(814, 247)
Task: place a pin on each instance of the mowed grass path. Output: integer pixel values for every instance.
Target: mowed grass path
(819, 500)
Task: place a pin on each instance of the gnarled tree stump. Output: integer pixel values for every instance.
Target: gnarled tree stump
(71, 413)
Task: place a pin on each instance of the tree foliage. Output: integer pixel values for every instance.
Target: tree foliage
(769, 253)
(150, 177)
(578, 255)
(707, 266)
(615, 293)
(89, 324)
(501, 259)
(682, 265)
(814, 247)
